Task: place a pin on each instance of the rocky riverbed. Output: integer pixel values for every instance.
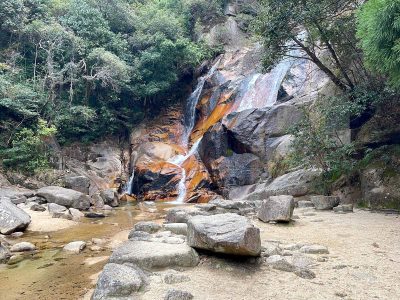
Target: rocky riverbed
(317, 255)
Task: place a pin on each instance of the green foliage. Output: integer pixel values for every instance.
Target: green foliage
(29, 152)
(378, 29)
(307, 28)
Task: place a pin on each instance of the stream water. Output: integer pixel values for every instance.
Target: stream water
(54, 274)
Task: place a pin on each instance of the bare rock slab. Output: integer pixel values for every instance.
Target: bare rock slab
(224, 233)
(65, 197)
(12, 218)
(147, 226)
(276, 208)
(117, 281)
(152, 255)
(325, 202)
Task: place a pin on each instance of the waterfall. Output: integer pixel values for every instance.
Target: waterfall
(190, 112)
(178, 161)
(189, 122)
(129, 186)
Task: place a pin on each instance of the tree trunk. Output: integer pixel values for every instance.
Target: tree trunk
(336, 80)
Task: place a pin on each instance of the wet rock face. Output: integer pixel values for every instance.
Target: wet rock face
(224, 233)
(157, 181)
(12, 218)
(214, 144)
(236, 170)
(65, 197)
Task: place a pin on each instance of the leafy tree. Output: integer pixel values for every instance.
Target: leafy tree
(378, 29)
(29, 151)
(307, 29)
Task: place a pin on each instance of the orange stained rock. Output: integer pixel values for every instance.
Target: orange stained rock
(196, 173)
(128, 198)
(162, 167)
(222, 108)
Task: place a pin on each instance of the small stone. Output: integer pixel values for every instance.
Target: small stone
(278, 262)
(344, 208)
(22, 247)
(149, 227)
(340, 294)
(339, 267)
(94, 215)
(287, 253)
(269, 249)
(375, 245)
(76, 213)
(75, 247)
(98, 241)
(305, 273)
(17, 234)
(62, 215)
(107, 207)
(55, 208)
(37, 207)
(173, 277)
(178, 295)
(314, 249)
(15, 259)
(95, 248)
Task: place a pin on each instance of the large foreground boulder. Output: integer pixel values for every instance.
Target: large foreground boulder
(153, 255)
(277, 208)
(117, 281)
(12, 218)
(224, 233)
(65, 197)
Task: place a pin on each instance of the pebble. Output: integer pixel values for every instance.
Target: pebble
(314, 249)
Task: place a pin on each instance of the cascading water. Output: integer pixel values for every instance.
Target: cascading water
(129, 186)
(189, 122)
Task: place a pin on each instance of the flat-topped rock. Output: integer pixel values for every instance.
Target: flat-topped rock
(224, 233)
(12, 218)
(276, 208)
(151, 255)
(116, 281)
(314, 249)
(65, 197)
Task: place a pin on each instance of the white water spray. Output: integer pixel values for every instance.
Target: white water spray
(129, 186)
